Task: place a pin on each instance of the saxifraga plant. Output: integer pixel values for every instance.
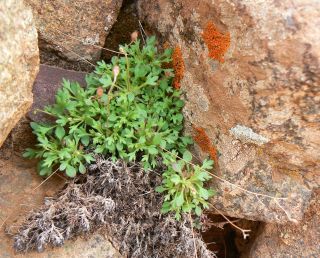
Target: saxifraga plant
(128, 110)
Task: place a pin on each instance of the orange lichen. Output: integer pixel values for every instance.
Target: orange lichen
(178, 67)
(217, 42)
(203, 140)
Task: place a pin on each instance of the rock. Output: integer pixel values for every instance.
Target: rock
(46, 85)
(250, 75)
(289, 240)
(20, 192)
(19, 63)
(70, 27)
(47, 82)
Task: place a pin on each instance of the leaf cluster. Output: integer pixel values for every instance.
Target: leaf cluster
(130, 111)
(183, 185)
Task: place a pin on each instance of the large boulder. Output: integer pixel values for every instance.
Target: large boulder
(70, 28)
(250, 74)
(280, 241)
(19, 63)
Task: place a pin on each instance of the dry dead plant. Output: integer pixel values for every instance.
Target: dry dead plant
(121, 197)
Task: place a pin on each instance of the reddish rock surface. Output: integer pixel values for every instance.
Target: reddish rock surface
(47, 83)
(256, 96)
(70, 27)
(22, 189)
(19, 63)
(290, 240)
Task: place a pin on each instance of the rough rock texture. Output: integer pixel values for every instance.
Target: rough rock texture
(70, 27)
(280, 241)
(18, 197)
(19, 61)
(251, 80)
(46, 85)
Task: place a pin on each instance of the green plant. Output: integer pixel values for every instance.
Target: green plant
(183, 185)
(128, 110)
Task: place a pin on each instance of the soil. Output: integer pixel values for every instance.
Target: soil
(17, 195)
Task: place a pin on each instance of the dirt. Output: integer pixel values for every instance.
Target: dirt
(17, 192)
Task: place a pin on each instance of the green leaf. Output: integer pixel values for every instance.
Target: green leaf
(166, 207)
(187, 156)
(157, 139)
(82, 168)
(203, 193)
(88, 158)
(34, 126)
(63, 165)
(179, 200)
(43, 170)
(89, 121)
(99, 149)
(177, 167)
(187, 207)
(130, 97)
(104, 98)
(198, 211)
(203, 176)
(177, 216)
(175, 179)
(179, 103)
(160, 189)
(106, 80)
(112, 117)
(207, 164)
(29, 153)
(71, 171)
(85, 140)
(60, 132)
(62, 121)
(152, 150)
(152, 80)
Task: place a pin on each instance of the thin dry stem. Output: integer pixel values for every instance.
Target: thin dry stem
(45, 180)
(142, 32)
(82, 58)
(79, 40)
(245, 232)
(226, 181)
(257, 195)
(194, 241)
